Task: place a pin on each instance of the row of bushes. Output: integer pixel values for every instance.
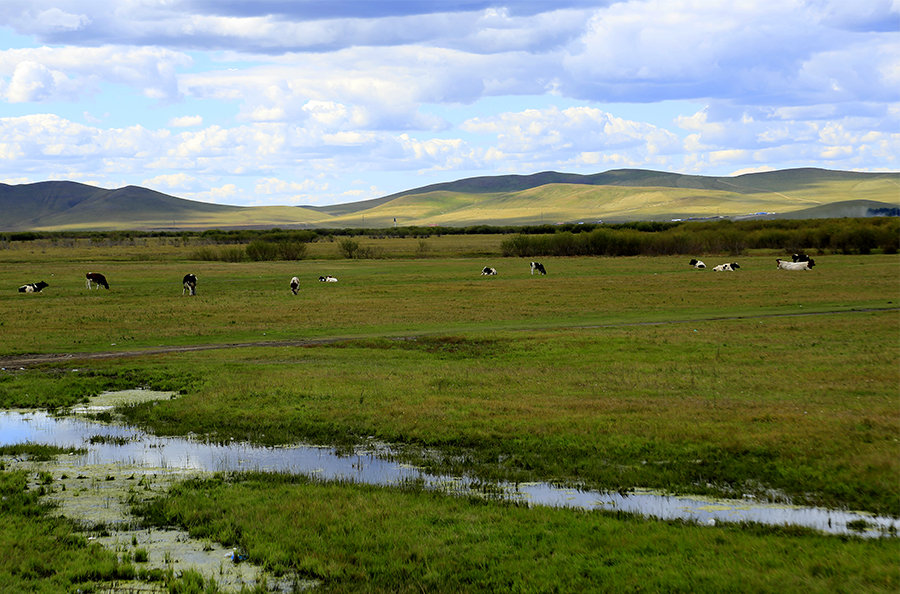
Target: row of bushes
(255, 251)
(847, 236)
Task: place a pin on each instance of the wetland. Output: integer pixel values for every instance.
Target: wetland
(508, 433)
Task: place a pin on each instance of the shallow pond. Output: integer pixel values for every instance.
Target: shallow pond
(132, 450)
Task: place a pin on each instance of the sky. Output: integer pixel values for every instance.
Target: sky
(318, 102)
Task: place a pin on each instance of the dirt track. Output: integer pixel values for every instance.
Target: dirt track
(41, 358)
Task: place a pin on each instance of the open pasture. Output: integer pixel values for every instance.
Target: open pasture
(252, 301)
(609, 372)
(595, 373)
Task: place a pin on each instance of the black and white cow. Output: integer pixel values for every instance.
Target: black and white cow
(189, 282)
(97, 279)
(537, 267)
(33, 287)
(327, 279)
(696, 263)
(488, 271)
(726, 267)
(785, 265)
(800, 258)
(295, 285)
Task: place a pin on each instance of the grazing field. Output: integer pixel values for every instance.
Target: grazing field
(608, 372)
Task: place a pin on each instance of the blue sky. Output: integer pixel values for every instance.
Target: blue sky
(261, 102)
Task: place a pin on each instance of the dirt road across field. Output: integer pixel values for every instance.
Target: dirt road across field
(21, 361)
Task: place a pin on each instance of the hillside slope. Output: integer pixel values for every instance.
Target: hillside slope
(63, 205)
(547, 197)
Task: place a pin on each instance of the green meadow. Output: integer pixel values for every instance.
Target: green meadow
(611, 373)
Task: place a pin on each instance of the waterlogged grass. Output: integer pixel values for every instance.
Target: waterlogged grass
(614, 373)
(45, 554)
(804, 405)
(63, 387)
(363, 538)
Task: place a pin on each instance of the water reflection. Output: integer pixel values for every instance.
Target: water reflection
(134, 448)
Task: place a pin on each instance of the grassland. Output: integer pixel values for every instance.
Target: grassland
(544, 198)
(609, 372)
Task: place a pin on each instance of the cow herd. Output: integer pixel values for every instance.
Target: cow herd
(798, 262)
(189, 282)
(535, 267)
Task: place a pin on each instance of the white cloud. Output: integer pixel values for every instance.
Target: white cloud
(569, 131)
(39, 74)
(186, 121)
(171, 181)
(31, 82)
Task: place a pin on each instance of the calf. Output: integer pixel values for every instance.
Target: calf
(697, 263)
(488, 271)
(785, 265)
(189, 282)
(537, 266)
(800, 258)
(726, 267)
(33, 287)
(97, 279)
(327, 279)
(295, 285)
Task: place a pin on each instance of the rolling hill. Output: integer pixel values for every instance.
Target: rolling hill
(547, 197)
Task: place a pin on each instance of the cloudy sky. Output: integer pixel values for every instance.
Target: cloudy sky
(257, 102)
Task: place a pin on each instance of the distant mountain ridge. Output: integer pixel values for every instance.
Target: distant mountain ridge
(616, 195)
(746, 183)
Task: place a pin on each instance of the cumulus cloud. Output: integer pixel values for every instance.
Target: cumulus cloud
(570, 131)
(186, 121)
(296, 91)
(39, 74)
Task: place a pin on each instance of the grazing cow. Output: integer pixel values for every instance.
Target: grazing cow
(295, 285)
(785, 265)
(97, 279)
(726, 267)
(488, 271)
(537, 266)
(800, 258)
(33, 287)
(189, 282)
(327, 279)
(697, 263)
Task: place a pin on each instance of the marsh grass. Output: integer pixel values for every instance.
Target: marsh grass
(557, 377)
(806, 406)
(47, 554)
(365, 538)
(613, 373)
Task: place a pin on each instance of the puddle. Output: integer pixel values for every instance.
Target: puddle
(123, 462)
(107, 401)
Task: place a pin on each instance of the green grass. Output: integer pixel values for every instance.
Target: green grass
(686, 407)
(251, 301)
(362, 538)
(46, 554)
(613, 373)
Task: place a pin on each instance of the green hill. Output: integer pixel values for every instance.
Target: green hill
(547, 197)
(63, 205)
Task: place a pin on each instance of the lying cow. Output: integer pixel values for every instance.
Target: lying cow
(327, 279)
(537, 267)
(295, 285)
(33, 287)
(488, 271)
(785, 265)
(726, 267)
(189, 282)
(697, 263)
(97, 279)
